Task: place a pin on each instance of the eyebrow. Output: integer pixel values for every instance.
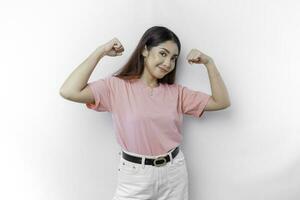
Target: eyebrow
(168, 51)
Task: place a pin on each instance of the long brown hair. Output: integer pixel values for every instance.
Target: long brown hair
(155, 35)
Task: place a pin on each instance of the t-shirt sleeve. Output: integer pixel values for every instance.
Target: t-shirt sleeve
(192, 102)
(102, 92)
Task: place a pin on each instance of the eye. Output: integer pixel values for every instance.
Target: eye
(163, 53)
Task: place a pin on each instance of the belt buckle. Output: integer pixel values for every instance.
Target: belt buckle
(160, 158)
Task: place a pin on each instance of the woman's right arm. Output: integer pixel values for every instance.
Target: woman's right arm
(74, 88)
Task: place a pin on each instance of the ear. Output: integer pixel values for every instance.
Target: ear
(145, 51)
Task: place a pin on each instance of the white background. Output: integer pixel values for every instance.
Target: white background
(54, 149)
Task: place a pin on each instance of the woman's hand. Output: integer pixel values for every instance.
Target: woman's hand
(113, 47)
(197, 57)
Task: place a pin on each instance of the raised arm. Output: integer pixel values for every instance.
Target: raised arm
(220, 98)
(74, 88)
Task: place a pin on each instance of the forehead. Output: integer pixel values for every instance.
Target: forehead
(168, 46)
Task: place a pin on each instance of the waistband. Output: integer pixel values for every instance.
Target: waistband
(158, 160)
(147, 156)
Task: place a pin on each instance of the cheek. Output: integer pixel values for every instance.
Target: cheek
(155, 61)
(157, 58)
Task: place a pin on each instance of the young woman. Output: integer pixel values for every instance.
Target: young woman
(147, 108)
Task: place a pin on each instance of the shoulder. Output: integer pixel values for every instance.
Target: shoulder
(116, 79)
(117, 84)
(110, 82)
(113, 80)
(182, 90)
(172, 89)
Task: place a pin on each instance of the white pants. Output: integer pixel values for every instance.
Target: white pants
(148, 182)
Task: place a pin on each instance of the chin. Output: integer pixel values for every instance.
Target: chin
(159, 74)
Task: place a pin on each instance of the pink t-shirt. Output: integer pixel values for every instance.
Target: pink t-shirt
(146, 120)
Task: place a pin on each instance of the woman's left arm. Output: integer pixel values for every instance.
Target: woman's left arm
(220, 98)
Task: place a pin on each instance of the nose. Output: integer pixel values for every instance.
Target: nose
(167, 63)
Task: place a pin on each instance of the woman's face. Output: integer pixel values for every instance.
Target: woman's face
(160, 60)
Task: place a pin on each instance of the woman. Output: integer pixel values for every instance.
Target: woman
(147, 108)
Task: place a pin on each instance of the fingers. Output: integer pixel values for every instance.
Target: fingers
(118, 47)
(193, 60)
(119, 51)
(194, 56)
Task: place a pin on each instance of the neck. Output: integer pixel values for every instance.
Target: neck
(149, 80)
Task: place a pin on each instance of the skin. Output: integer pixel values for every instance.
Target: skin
(157, 58)
(74, 88)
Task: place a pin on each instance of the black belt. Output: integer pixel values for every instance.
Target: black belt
(160, 161)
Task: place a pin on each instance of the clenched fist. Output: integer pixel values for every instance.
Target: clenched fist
(113, 47)
(197, 57)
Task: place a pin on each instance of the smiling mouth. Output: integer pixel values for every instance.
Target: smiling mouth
(162, 69)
